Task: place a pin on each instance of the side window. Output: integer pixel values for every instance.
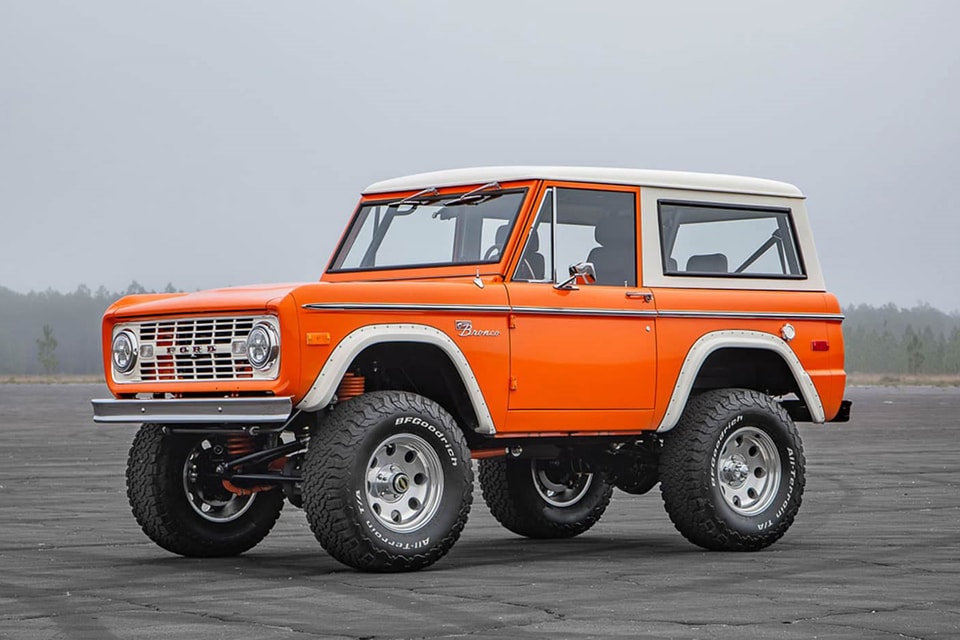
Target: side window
(599, 227)
(714, 240)
(582, 225)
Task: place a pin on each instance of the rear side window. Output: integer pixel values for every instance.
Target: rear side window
(728, 241)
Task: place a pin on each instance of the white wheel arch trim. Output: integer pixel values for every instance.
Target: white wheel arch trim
(325, 386)
(711, 342)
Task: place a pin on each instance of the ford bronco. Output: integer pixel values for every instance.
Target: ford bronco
(572, 330)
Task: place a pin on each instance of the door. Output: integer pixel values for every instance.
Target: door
(582, 347)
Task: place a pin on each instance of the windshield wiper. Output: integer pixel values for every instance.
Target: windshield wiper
(475, 196)
(415, 198)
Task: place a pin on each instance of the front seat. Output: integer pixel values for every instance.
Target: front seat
(614, 260)
(532, 262)
(495, 251)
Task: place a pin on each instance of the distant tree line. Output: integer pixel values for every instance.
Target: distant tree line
(51, 332)
(888, 339)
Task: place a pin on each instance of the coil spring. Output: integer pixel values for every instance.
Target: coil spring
(239, 444)
(351, 386)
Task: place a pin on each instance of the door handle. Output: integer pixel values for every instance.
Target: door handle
(646, 296)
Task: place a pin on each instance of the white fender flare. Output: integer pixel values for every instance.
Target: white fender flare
(325, 386)
(716, 340)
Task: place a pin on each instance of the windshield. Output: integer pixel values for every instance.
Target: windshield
(428, 232)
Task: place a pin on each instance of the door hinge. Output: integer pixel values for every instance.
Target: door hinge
(513, 383)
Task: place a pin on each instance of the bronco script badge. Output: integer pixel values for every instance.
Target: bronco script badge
(465, 330)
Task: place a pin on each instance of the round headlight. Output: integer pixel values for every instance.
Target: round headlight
(262, 346)
(124, 351)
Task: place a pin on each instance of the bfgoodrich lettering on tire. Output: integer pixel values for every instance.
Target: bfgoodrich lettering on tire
(732, 471)
(387, 482)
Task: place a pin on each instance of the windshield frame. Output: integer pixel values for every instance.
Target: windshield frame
(447, 194)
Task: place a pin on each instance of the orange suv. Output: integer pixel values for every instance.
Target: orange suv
(574, 330)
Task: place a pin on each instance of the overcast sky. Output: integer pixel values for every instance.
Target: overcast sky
(216, 143)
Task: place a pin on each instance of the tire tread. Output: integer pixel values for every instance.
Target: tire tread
(686, 455)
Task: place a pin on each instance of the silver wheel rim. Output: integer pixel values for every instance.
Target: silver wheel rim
(210, 499)
(748, 471)
(557, 487)
(404, 483)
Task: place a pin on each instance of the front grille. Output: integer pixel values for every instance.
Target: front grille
(195, 349)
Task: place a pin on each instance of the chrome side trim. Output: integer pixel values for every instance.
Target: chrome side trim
(750, 315)
(399, 306)
(574, 311)
(571, 311)
(192, 411)
(743, 339)
(325, 386)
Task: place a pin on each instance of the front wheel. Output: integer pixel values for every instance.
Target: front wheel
(732, 471)
(543, 498)
(181, 503)
(387, 482)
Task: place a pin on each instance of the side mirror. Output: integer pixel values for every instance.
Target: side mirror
(580, 273)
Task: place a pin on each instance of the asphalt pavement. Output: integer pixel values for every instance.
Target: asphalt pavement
(874, 553)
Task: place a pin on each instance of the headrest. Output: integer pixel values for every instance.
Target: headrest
(708, 263)
(613, 230)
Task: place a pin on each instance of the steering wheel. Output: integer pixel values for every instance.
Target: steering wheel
(491, 253)
(525, 266)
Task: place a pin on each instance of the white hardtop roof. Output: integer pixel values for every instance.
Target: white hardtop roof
(638, 177)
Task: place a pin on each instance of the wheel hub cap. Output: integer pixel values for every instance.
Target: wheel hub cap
(735, 471)
(404, 483)
(204, 489)
(557, 485)
(749, 471)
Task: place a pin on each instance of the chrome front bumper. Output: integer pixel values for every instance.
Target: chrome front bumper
(194, 411)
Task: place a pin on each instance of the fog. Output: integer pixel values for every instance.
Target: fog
(214, 143)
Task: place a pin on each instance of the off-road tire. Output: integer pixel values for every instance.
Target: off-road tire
(732, 471)
(513, 498)
(350, 473)
(156, 490)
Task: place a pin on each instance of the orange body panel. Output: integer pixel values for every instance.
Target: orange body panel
(677, 334)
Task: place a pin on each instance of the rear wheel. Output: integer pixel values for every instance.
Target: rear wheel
(543, 498)
(732, 471)
(183, 506)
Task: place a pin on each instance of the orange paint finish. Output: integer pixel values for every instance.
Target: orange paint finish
(560, 423)
(685, 317)
(268, 300)
(561, 352)
(831, 379)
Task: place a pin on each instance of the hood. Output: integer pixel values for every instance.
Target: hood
(252, 298)
(386, 294)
